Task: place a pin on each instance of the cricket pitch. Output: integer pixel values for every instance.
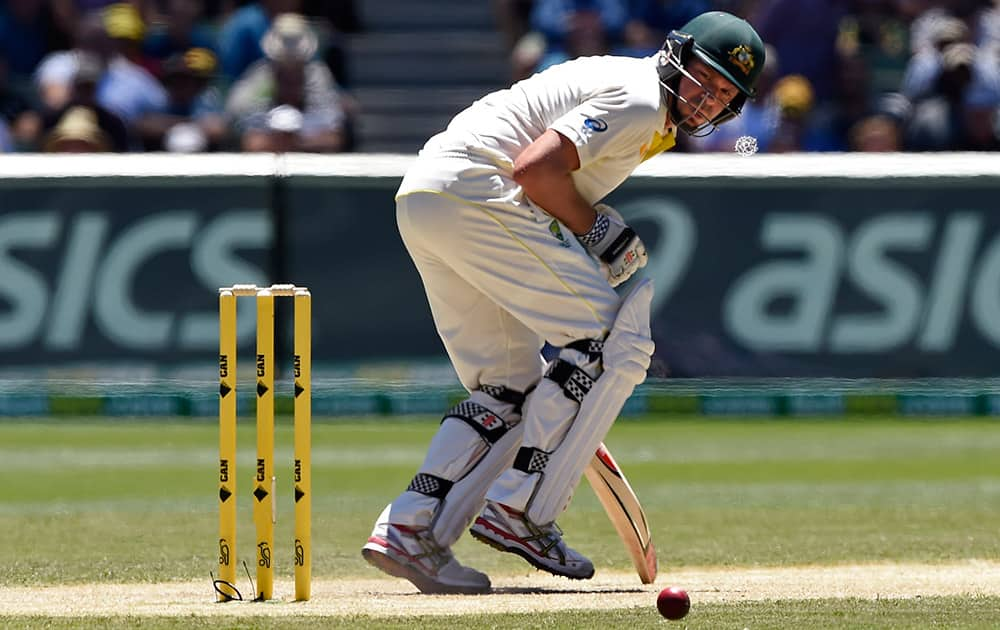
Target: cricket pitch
(384, 597)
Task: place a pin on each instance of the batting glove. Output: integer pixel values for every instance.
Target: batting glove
(615, 244)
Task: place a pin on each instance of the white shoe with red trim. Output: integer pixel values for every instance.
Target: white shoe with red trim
(508, 530)
(412, 554)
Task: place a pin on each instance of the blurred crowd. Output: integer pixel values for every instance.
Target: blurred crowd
(271, 75)
(175, 75)
(841, 75)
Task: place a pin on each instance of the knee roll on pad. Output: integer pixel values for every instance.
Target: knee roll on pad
(467, 433)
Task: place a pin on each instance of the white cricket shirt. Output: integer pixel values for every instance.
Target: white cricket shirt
(609, 107)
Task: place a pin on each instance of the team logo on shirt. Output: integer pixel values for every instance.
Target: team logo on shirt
(557, 232)
(595, 124)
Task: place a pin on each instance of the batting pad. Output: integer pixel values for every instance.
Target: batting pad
(627, 353)
(549, 413)
(470, 448)
(467, 496)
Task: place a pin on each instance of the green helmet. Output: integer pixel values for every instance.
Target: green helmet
(730, 45)
(725, 43)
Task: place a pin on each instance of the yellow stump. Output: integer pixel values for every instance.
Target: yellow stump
(227, 443)
(264, 482)
(264, 486)
(303, 427)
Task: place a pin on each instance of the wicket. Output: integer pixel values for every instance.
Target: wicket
(264, 484)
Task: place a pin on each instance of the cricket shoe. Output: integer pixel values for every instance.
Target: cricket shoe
(412, 553)
(508, 530)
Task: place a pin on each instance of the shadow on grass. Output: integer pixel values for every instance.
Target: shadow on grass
(537, 590)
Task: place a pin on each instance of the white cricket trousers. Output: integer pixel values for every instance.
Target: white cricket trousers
(499, 282)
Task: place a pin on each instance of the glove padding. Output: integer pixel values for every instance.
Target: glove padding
(620, 250)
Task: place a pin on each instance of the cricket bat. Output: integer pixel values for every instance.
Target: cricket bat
(624, 510)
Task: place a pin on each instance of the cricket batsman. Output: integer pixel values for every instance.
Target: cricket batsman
(501, 214)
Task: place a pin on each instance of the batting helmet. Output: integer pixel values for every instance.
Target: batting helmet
(722, 41)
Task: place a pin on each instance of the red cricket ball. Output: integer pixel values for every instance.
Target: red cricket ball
(673, 603)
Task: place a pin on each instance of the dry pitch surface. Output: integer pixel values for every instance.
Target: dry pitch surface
(525, 593)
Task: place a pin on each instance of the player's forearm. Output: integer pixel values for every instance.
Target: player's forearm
(544, 171)
(557, 195)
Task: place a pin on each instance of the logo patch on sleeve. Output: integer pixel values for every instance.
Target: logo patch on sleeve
(595, 124)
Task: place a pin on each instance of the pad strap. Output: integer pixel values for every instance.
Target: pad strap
(574, 382)
(505, 394)
(485, 422)
(531, 460)
(430, 485)
(593, 348)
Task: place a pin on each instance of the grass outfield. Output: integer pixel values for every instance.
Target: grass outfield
(115, 501)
